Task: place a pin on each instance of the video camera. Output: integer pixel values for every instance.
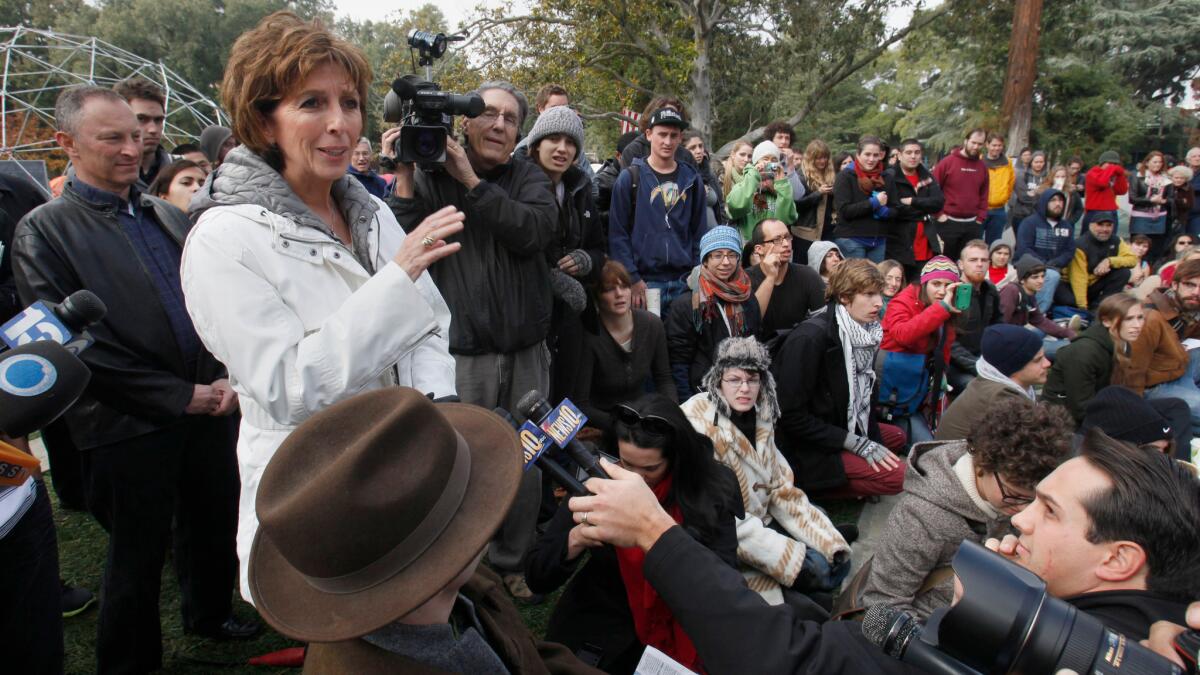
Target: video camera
(1006, 622)
(425, 111)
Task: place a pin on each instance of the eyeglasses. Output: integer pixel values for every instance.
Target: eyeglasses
(1008, 498)
(652, 423)
(738, 383)
(777, 240)
(722, 257)
(491, 114)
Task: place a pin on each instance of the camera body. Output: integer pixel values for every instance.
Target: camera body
(427, 115)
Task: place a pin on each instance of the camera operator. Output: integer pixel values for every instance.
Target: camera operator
(1142, 510)
(498, 287)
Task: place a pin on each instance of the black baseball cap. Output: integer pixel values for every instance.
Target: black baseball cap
(667, 116)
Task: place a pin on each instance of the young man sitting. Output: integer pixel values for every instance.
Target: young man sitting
(1019, 306)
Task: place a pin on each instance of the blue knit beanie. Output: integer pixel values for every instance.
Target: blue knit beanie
(1009, 347)
(721, 236)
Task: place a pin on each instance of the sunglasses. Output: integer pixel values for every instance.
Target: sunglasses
(651, 423)
(1009, 498)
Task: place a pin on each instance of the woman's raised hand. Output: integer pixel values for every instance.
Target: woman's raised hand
(427, 244)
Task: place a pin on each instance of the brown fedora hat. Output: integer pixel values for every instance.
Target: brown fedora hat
(373, 505)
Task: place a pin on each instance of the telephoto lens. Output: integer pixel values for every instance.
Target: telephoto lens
(1005, 622)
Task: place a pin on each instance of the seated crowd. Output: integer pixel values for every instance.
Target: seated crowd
(749, 340)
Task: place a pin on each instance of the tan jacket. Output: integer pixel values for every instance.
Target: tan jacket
(1155, 357)
(768, 558)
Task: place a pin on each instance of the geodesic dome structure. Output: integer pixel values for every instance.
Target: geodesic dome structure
(38, 64)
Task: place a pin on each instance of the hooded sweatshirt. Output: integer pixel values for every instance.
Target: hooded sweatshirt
(1000, 181)
(964, 184)
(817, 252)
(1051, 242)
(1102, 185)
(939, 508)
(1023, 202)
(663, 241)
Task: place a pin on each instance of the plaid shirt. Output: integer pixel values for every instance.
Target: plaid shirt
(159, 255)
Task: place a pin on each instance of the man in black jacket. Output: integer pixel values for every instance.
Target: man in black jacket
(498, 287)
(983, 312)
(607, 175)
(1116, 532)
(917, 197)
(153, 425)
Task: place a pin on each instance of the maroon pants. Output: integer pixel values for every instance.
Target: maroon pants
(862, 480)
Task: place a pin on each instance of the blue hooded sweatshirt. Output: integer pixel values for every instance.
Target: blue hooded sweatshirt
(1053, 245)
(660, 244)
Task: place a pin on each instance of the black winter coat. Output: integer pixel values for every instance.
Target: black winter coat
(691, 351)
(593, 611)
(1081, 369)
(814, 396)
(140, 380)
(856, 215)
(17, 198)
(579, 225)
(969, 326)
(603, 184)
(498, 285)
(927, 200)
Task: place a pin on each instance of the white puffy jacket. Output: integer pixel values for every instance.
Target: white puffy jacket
(300, 324)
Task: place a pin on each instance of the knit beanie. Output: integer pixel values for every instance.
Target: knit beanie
(750, 355)
(999, 244)
(1009, 347)
(1110, 157)
(558, 120)
(1125, 416)
(763, 149)
(939, 267)
(1028, 265)
(721, 236)
(211, 140)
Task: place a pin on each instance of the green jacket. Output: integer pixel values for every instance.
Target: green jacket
(745, 215)
(1081, 369)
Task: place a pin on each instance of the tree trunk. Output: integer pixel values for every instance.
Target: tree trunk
(1017, 110)
(701, 103)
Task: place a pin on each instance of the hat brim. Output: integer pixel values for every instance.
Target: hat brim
(292, 606)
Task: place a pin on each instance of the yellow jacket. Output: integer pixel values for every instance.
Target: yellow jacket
(1000, 185)
(1081, 277)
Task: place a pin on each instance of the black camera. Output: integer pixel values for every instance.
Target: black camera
(1005, 622)
(425, 111)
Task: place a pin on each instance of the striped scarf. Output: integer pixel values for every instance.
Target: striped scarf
(715, 296)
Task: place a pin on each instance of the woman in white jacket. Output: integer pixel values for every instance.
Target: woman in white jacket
(784, 542)
(297, 279)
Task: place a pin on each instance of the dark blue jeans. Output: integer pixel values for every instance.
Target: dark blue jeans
(854, 248)
(993, 226)
(31, 613)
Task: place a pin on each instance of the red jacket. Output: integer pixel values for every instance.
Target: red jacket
(911, 327)
(964, 185)
(1102, 184)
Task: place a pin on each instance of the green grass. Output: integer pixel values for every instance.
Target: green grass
(82, 545)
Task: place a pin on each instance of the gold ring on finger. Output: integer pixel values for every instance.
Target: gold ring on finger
(585, 515)
(428, 242)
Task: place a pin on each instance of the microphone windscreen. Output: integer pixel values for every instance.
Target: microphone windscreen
(38, 382)
(82, 309)
(529, 404)
(877, 621)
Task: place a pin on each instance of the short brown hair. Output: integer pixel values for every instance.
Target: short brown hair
(976, 130)
(269, 61)
(779, 127)
(613, 274)
(139, 87)
(852, 277)
(992, 137)
(1021, 440)
(548, 90)
(977, 243)
(661, 102)
(1186, 270)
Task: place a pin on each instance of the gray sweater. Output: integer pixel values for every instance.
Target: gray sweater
(924, 530)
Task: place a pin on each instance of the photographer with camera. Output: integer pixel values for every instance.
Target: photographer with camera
(499, 286)
(1116, 532)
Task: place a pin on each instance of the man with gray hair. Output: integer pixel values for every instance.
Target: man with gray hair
(498, 286)
(153, 426)
(360, 168)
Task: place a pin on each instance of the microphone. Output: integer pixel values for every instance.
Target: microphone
(898, 634)
(64, 322)
(534, 444)
(561, 423)
(38, 382)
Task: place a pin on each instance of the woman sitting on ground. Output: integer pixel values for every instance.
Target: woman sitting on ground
(828, 431)
(1085, 366)
(893, 281)
(962, 490)
(608, 608)
(1000, 269)
(629, 351)
(785, 544)
(824, 257)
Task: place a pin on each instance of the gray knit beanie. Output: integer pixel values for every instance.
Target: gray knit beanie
(750, 355)
(557, 120)
(211, 140)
